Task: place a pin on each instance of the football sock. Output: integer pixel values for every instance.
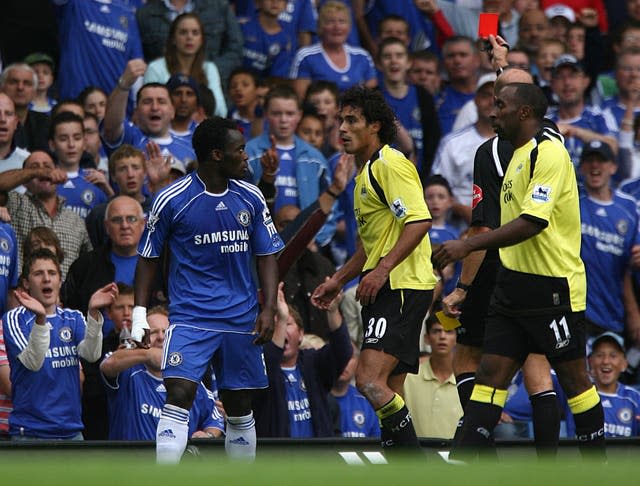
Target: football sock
(171, 434)
(396, 426)
(589, 418)
(546, 423)
(240, 441)
(464, 385)
(481, 416)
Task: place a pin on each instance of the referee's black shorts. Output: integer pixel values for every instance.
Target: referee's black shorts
(393, 322)
(475, 308)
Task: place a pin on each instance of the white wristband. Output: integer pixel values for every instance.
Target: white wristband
(139, 323)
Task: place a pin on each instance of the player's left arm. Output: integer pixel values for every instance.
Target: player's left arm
(268, 276)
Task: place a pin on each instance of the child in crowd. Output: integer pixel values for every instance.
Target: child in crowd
(268, 46)
(324, 96)
(439, 198)
(311, 129)
(247, 110)
(94, 101)
(621, 403)
(44, 67)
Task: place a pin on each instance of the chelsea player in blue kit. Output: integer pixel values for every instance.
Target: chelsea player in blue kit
(213, 224)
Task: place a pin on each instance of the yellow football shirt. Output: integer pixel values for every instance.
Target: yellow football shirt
(549, 196)
(381, 219)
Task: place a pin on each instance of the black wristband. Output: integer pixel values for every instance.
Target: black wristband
(332, 194)
(462, 286)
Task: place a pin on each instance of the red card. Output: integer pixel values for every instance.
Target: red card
(488, 25)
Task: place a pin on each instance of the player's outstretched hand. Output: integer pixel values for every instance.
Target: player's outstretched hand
(140, 330)
(325, 293)
(450, 251)
(370, 285)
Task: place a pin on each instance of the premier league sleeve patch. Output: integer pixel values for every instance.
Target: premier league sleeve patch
(541, 194)
(398, 208)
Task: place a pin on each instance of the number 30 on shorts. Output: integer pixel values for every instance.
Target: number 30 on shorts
(376, 328)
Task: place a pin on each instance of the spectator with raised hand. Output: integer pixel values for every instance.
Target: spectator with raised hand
(136, 394)
(185, 53)
(295, 404)
(219, 25)
(153, 115)
(44, 343)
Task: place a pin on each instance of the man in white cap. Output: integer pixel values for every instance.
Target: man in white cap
(454, 160)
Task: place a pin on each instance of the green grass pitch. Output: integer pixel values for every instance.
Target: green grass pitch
(303, 467)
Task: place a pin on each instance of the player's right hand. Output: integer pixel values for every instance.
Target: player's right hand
(452, 302)
(140, 330)
(325, 293)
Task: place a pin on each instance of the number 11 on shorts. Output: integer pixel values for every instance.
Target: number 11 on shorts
(555, 326)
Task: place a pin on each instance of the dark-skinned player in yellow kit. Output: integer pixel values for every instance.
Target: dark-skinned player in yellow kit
(540, 295)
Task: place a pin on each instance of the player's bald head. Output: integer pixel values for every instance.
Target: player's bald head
(512, 75)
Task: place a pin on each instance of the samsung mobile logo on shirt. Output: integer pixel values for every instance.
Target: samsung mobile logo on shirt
(221, 236)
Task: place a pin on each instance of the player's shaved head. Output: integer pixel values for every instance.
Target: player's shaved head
(512, 75)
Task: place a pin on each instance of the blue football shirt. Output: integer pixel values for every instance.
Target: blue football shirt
(46, 403)
(212, 239)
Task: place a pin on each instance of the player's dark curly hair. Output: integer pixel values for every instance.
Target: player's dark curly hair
(374, 109)
(210, 135)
